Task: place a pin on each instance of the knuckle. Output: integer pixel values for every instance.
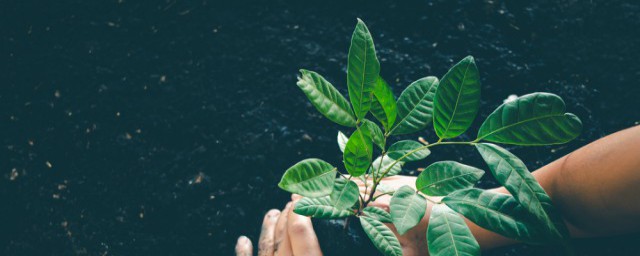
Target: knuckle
(265, 246)
(298, 228)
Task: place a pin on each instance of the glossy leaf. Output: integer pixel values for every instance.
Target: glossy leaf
(407, 208)
(533, 119)
(386, 163)
(457, 99)
(384, 106)
(342, 141)
(345, 194)
(442, 178)
(381, 236)
(403, 147)
(376, 134)
(415, 106)
(497, 212)
(377, 213)
(310, 178)
(363, 69)
(358, 152)
(448, 234)
(512, 173)
(319, 207)
(326, 98)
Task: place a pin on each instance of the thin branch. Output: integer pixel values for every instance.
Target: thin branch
(376, 182)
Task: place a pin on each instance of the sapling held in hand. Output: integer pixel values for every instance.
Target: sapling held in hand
(449, 106)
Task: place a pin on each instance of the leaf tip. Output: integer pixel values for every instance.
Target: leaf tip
(470, 58)
(281, 185)
(432, 79)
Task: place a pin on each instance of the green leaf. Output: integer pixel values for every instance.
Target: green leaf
(407, 208)
(326, 98)
(386, 163)
(381, 236)
(497, 212)
(442, 178)
(342, 141)
(384, 106)
(448, 234)
(516, 178)
(319, 207)
(376, 134)
(358, 152)
(457, 99)
(310, 178)
(415, 106)
(533, 119)
(345, 194)
(362, 70)
(377, 213)
(410, 147)
(386, 189)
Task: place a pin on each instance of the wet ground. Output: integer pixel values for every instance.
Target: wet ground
(162, 127)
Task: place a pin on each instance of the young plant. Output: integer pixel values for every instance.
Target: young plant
(450, 105)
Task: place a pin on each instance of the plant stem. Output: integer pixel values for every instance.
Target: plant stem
(432, 201)
(373, 172)
(376, 197)
(421, 148)
(377, 181)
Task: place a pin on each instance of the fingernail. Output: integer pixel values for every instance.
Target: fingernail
(273, 213)
(243, 240)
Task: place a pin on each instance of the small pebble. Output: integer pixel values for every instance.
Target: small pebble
(14, 174)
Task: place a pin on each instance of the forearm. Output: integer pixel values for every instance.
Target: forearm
(596, 188)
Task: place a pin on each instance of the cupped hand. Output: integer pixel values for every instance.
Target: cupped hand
(283, 233)
(287, 233)
(414, 241)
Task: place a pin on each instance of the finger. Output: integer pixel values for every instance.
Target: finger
(283, 245)
(244, 247)
(295, 197)
(360, 182)
(363, 192)
(266, 243)
(303, 238)
(381, 202)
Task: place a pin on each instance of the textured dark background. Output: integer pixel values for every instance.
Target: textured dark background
(162, 127)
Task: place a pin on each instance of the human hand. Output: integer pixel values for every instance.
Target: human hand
(414, 241)
(287, 233)
(283, 233)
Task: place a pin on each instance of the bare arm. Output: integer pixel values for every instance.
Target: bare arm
(596, 188)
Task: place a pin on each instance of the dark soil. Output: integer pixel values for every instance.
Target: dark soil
(162, 127)
(343, 237)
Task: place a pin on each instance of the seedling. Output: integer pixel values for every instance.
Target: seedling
(450, 104)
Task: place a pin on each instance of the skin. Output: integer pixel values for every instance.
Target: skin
(284, 233)
(595, 188)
